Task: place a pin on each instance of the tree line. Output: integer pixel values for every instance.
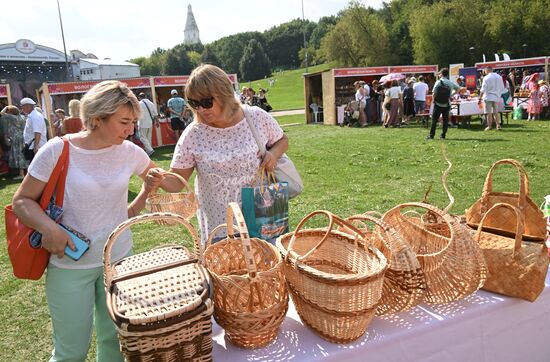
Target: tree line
(401, 32)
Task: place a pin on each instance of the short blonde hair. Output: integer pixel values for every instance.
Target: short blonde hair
(206, 81)
(74, 108)
(104, 99)
(11, 110)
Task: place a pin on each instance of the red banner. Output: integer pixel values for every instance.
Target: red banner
(516, 63)
(3, 90)
(171, 81)
(411, 69)
(351, 72)
(167, 135)
(83, 87)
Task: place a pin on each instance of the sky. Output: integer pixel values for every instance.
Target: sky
(123, 29)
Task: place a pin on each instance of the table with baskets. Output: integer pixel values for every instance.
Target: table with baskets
(481, 327)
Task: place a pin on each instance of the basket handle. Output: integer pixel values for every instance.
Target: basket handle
(366, 217)
(234, 213)
(444, 215)
(519, 225)
(140, 219)
(523, 184)
(230, 234)
(332, 220)
(179, 177)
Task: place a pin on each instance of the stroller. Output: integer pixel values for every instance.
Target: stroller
(351, 114)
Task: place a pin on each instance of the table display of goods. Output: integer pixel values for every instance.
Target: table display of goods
(160, 300)
(335, 279)
(182, 203)
(452, 262)
(516, 268)
(250, 294)
(502, 222)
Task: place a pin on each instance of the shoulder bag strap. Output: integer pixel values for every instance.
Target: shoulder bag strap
(148, 110)
(57, 178)
(253, 129)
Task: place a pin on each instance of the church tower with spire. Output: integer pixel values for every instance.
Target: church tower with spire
(191, 32)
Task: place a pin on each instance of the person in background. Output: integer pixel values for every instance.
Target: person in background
(101, 164)
(420, 91)
(73, 123)
(360, 98)
(59, 116)
(442, 91)
(35, 133)
(506, 90)
(262, 101)
(219, 146)
(13, 138)
(176, 105)
(408, 102)
(393, 97)
(491, 92)
(367, 99)
(544, 98)
(375, 101)
(534, 104)
(148, 118)
(243, 95)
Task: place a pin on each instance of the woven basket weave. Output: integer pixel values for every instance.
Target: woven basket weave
(335, 279)
(516, 268)
(160, 300)
(501, 222)
(250, 295)
(452, 262)
(404, 281)
(181, 203)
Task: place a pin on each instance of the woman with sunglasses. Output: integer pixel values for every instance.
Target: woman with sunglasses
(219, 146)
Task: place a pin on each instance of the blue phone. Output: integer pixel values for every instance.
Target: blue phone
(81, 245)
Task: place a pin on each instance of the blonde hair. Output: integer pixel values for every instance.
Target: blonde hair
(104, 99)
(74, 108)
(11, 110)
(206, 81)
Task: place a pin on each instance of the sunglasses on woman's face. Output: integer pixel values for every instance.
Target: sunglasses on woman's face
(205, 103)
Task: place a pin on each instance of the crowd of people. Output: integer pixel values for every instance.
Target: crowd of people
(248, 96)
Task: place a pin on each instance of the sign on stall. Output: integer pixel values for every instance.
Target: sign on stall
(350, 72)
(3, 91)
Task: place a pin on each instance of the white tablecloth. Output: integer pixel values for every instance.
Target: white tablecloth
(521, 102)
(470, 108)
(482, 327)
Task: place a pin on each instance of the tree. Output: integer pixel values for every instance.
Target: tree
(254, 64)
(320, 30)
(230, 49)
(177, 62)
(209, 56)
(359, 38)
(284, 41)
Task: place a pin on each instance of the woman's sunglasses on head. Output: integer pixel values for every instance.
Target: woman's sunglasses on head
(205, 103)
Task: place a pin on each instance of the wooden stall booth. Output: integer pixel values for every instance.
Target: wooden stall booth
(5, 95)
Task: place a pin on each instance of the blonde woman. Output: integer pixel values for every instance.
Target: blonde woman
(73, 124)
(219, 146)
(101, 163)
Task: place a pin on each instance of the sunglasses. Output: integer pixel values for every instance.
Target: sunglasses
(205, 103)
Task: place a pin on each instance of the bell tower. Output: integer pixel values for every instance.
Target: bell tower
(191, 32)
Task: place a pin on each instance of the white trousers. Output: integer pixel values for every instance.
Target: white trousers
(145, 135)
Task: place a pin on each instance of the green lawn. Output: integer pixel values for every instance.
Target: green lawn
(345, 170)
(288, 90)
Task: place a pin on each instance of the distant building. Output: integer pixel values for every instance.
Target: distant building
(191, 32)
(97, 69)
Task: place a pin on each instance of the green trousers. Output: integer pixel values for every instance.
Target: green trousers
(72, 295)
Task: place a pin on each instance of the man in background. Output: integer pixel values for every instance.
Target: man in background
(149, 116)
(442, 102)
(35, 133)
(420, 92)
(176, 105)
(490, 92)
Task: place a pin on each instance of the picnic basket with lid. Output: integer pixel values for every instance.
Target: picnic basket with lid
(517, 269)
(183, 203)
(404, 281)
(250, 295)
(452, 262)
(335, 279)
(160, 300)
(501, 221)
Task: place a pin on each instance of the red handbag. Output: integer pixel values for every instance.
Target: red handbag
(28, 262)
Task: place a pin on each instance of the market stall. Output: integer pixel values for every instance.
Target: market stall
(333, 89)
(5, 95)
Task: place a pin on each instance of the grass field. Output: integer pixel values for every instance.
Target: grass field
(288, 90)
(345, 170)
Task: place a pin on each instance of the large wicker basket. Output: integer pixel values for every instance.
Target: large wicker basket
(452, 262)
(404, 281)
(250, 295)
(335, 279)
(160, 300)
(181, 203)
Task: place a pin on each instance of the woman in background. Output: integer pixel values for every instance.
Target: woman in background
(73, 124)
(14, 139)
(393, 97)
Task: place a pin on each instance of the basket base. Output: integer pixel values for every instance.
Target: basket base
(252, 342)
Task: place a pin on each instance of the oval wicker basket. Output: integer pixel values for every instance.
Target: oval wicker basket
(181, 203)
(160, 300)
(404, 281)
(335, 279)
(250, 294)
(452, 262)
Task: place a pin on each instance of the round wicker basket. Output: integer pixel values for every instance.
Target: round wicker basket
(181, 203)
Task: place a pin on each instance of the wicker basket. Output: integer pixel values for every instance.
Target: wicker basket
(404, 282)
(501, 222)
(517, 269)
(160, 300)
(452, 262)
(335, 280)
(250, 295)
(181, 203)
